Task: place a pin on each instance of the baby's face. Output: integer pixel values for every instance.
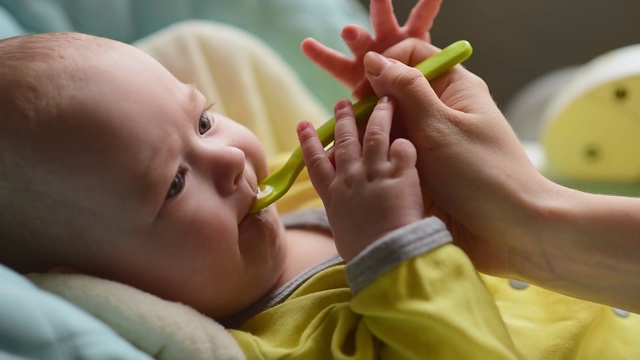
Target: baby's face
(173, 181)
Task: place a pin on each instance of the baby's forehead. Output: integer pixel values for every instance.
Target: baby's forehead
(58, 126)
(50, 46)
(76, 96)
(38, 67)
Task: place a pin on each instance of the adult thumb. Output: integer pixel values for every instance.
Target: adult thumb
(405, 84)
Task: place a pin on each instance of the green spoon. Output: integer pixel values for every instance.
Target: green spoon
(274, 186)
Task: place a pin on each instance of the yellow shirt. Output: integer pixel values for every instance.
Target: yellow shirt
(433, 306)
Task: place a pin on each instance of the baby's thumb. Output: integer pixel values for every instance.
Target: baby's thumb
(403, 83)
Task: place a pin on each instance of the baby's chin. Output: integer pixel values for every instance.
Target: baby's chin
(262, 234)
(263, 247)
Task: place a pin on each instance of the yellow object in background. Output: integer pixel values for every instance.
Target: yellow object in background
(592, 128)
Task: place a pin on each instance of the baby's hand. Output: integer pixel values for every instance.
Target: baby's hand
(368, 189)
(387, 33)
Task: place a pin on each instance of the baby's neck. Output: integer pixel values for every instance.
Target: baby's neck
(306, 248)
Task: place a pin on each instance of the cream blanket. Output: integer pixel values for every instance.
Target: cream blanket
(249, 83)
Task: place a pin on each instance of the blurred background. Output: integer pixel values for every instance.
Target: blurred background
(516, 41)
(523, 49)
(529, 52)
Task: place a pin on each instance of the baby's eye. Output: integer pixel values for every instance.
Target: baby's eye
(204, 124)
(176, 186)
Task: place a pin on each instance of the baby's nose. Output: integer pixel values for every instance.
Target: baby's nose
(228, 168)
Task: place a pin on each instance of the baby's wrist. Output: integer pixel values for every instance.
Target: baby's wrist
(395, 247)
(351, 243)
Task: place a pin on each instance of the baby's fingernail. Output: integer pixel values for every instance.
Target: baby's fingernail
(384, 99)
(374, 63)
(302, 126)
(342, 104)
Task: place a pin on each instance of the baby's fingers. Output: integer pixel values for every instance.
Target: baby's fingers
(421, 18)
(403, 156)
(375, 144)
(357, 39)
(333, 62)
(347, 148)
(319, 165)
(383, 19)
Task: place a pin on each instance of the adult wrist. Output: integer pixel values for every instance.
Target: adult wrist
(547, 215)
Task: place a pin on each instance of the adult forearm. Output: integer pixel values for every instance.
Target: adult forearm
(589, 247)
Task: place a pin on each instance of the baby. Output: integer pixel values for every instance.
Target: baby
(114, 168)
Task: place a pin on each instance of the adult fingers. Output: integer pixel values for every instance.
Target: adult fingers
(405, 84)
(409, 51)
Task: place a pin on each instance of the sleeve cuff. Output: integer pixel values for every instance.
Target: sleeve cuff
(395, 247)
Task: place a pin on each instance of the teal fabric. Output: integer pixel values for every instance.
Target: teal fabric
(282, 24)
(35, 324)
(8, 24)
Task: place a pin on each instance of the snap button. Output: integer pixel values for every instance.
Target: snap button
(517, 284)
(620, 312)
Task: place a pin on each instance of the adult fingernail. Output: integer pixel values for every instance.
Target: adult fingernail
(384, 99)
(374, 63)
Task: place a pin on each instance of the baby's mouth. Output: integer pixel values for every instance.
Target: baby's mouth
(250, 187)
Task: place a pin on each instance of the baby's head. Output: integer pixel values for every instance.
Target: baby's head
(111, 166)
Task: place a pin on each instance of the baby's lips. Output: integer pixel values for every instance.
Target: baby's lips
(251, 184)
(252, 179)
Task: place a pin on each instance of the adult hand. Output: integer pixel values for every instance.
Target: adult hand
(474, 173)
(508, 218)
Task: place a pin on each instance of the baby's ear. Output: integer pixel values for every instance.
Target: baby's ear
(65, 270)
